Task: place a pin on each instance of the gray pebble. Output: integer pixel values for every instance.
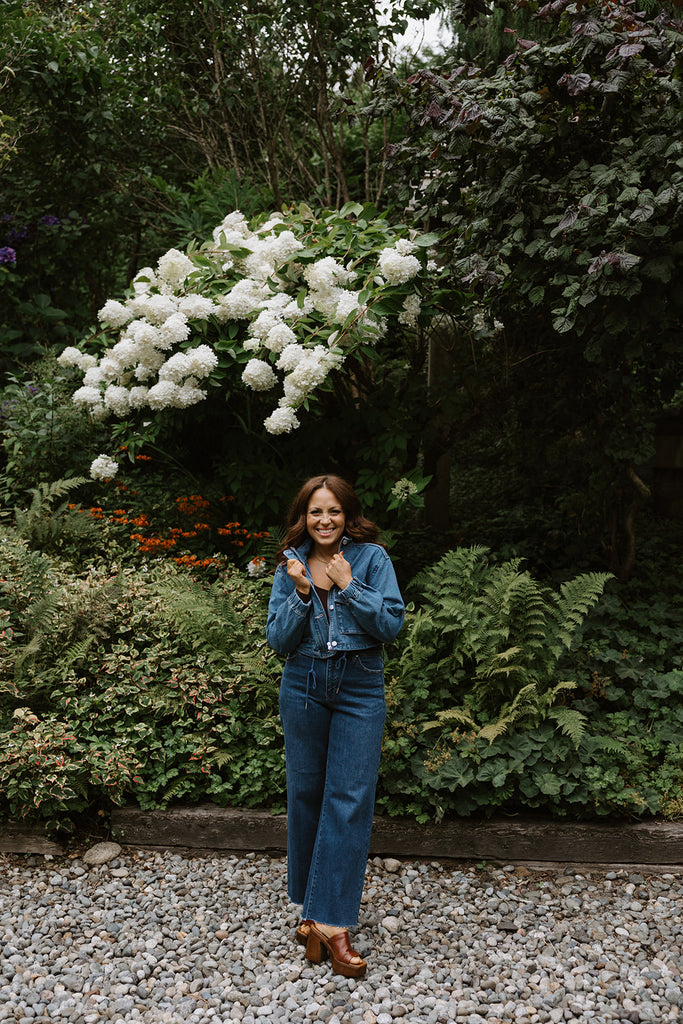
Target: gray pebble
(166, 939)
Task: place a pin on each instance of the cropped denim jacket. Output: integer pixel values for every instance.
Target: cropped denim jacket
(366, 613)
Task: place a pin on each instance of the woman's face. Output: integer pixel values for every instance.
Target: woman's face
(325, 519)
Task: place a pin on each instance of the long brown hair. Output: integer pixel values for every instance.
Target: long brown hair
(357, 526)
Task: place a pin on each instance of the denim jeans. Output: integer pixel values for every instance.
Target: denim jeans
(333, 713)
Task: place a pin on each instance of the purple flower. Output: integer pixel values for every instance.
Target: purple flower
(50, 220)
(7, 255)
(15, 235)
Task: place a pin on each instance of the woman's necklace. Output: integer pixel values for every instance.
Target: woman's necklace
(317, 558)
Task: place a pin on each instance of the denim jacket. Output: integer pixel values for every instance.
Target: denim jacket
(366, 613)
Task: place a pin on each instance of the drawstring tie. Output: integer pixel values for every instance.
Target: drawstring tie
(310, 678)
(342, 670)
(341, 662)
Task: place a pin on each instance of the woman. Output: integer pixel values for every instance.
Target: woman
(335, 601)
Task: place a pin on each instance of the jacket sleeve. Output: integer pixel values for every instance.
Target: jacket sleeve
(287, 614)
(375, 602)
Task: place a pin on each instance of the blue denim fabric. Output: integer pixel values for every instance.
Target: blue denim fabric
(366, 613)
(333, 713)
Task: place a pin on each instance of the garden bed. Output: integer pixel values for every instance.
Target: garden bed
(208, 828)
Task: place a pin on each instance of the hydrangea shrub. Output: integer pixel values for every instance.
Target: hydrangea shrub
(272, 305)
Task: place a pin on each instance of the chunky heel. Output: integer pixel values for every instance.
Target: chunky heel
(315, 950)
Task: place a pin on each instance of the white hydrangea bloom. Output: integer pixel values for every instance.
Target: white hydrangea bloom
(258, 375)
(264, 323)
(150, 361)
(201, 360)
(176, 368)
(143, 333)
(163, 395)
(293, 311)
(312, 369)
(258, 267)
(115, 314)
(290, 357)
(277, 302)
(189, 394)
(173, 331)
(241, 301)
(117, 400)
(374, 328)
(279, 337)
(92, 376)
(410, 311)
(71, 356)
(293, 392)
(144, 281)
(175, 266)
(251, 344)
(397, 268)
(235, 223)
(275, 219)
(284, 245)
(327, 273)
(281, 421)
(87, 395)
(109, 368)
(103, 468)
(156, 308)
(137, 397)
(196, 307)
(325, 300)
(346, 304)
(125, 353)
(404, 246)
(87, 362)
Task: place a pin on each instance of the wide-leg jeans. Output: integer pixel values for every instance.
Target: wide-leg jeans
(333, 713)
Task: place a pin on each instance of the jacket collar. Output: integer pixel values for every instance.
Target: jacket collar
(303, 551)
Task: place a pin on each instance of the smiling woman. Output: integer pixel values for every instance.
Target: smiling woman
(335, 601)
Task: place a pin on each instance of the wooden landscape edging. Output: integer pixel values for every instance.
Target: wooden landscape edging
(511, 840)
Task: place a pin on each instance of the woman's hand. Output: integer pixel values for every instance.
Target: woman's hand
(339, 571)
(297, 572)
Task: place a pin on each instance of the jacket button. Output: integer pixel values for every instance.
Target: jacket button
(334, 643)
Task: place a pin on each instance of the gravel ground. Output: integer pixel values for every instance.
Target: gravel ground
(158, 937)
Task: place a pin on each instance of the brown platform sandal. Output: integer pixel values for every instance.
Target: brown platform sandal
(339, 949)
(301, 935)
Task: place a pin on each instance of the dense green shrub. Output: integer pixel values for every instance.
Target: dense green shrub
(140, 685)
(627, 663)
(145, 685)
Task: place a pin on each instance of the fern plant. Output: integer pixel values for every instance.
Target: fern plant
(46, 527)
(498, 636)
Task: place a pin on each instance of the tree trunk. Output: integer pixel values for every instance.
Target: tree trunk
(437, 456)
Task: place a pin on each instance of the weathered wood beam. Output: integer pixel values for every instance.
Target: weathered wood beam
(515, 839)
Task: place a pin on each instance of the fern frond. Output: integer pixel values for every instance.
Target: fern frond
(571, 722)
(222, 757)
(451, 716)
(578, 597)
(493, 730)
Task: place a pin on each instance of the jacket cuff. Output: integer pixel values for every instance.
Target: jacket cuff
(298, 605)
(352, 591)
